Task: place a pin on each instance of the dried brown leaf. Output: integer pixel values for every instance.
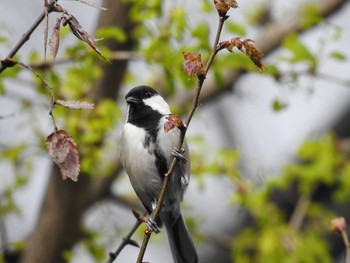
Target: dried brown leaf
(81, 34)
(73, 24)
(75, 104)
(54, 41)
(90, 41)
(64, 153)
(46, 27)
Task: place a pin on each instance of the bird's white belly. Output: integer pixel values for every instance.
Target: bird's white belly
(138, 161)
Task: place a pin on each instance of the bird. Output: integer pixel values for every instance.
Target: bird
(146, 152)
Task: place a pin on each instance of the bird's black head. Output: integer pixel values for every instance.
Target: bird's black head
(146, 107)
(138, 94)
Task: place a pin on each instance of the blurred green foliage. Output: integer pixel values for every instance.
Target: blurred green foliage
(273, 237)
(163, 36)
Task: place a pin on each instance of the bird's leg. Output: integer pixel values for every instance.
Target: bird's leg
(178, 154)
(152, 225)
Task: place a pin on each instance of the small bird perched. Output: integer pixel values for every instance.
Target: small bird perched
(146, 152)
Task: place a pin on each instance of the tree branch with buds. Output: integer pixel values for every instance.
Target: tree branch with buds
(194, 66)
(61, 146)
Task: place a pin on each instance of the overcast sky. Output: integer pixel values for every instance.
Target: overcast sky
(266, 138)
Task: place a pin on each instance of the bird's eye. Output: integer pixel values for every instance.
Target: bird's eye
(148, 94)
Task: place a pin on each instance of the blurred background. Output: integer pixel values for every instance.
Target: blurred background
(269, 150)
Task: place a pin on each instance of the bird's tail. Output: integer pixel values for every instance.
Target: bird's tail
(181, 243)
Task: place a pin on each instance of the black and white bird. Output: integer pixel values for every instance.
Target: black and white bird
(146, 152)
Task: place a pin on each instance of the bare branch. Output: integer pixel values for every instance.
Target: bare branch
(183, 130)
(27, 35)
(92, 4)
(127, 239)
(50, 89)
(270, 39)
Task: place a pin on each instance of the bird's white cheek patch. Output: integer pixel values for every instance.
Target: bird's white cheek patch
(158, 103)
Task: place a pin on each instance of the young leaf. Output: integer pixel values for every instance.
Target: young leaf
(222, 6)
(75, 104)
(338, 56)
(236, 28)
(253, 53)
(172, 122)
(64, 153)
(299, 51)
(278, 105)
(338, 224)
(193, 64)
(247, 47)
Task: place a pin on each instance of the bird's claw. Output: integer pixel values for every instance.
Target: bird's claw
(178, 154)
(152, 225)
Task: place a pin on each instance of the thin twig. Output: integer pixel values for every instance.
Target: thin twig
(27, 35)
(300, 212)
(127, 239)
(7, 116)
(52, 106)
(347, 246)
(114, 56)
(195, 104)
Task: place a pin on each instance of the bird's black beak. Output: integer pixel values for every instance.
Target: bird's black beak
(132, 100)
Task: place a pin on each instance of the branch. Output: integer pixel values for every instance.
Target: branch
(118, 55)
(27, 35)
(338, 225)
(127, 240)
(270, 39)
(299, 212)
(347, 246)
(183, 130)
(52, 95)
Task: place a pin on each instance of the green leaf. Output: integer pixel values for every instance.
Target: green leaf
(114, 33)
(3, 39)
(202, 33)
(236, 28)
(14, 153)
(299, 51)
(338, 56)
(311, 15)
(278, 105)
(178, 22)
(207, 6)
(2, 88)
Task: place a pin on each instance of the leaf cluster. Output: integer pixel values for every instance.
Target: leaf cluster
(273, 235)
